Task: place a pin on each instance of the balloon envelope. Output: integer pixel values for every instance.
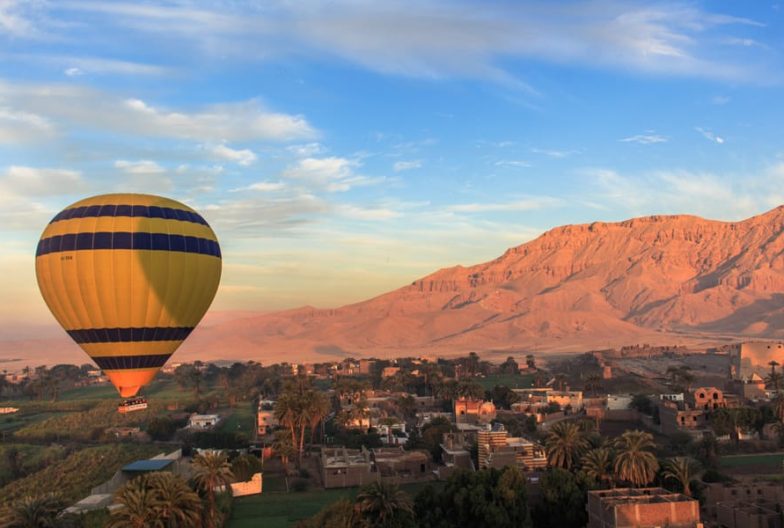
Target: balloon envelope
(128, 276)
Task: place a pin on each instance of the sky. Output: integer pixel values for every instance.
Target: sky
(342, 149)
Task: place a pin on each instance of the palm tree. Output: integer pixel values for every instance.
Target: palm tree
(137, 507)
(635, 461)
(598, 465)
(33, 512)
(211, 470)
(565, 444)
(593, 384)
(683, 470)
(318, 408)
(174, 502)
(380, 503)
(283, 448)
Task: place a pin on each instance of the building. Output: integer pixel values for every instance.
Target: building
(343, 468)
(753, 357)
(619, 402)
(497, 450)
(388, 372)
(367, 366)
(680, 417)
(642, 508)
(567, 399)
(265, 417)
(456, 454)
(707, 398)
(203, 421)
(474, 411)
(745, 504)
(402, 466)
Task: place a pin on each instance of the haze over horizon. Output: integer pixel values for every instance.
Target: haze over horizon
(343, 152)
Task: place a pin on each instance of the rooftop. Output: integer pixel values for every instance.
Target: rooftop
(143, 466)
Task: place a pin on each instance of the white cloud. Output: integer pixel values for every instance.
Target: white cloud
(73, 72)
(22, 126)
(75, 106)
(365, 213)
(242, 157)
(645, 139)
(400, 166)
(513, 163)
(307, 150)
(265, 186)
(553, 153)
(14, 19)
(139, 167)
(435, 38)
(333, 174)
(36, 182)
(525, 204)
(710, 136)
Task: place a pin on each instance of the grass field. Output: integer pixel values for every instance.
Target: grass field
(241, 420)
(513, 381)
(773, 461)
(283, 510)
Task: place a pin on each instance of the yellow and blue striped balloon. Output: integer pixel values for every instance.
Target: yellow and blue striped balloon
(128, 276)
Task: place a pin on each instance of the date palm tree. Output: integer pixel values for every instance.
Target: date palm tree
(211, 470)
(598, 465)
(381, 503)
(137, 507)
(565, 444)
(33, 512)
(174, 501)
(635, 461)
(682, 470)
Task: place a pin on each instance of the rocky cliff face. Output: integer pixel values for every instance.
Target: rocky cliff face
(660, 279)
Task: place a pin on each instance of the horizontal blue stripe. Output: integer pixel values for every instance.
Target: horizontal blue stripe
(137, 211)
(124, 240)
(131, 362)
(129, 335)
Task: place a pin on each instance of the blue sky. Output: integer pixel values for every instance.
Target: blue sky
(342, 149)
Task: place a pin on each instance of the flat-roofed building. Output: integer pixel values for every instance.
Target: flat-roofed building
(642, 508)
(474, 411)
(496, 449)
(343, 468)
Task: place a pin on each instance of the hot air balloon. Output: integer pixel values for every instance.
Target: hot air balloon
(128, 276)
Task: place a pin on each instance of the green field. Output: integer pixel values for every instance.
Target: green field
(282, 510)
(241, 420)
(513, 381)
(768, 460)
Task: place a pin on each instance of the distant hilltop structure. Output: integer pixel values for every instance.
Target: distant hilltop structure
(753, 357)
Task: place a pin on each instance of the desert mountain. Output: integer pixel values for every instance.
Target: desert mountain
(659, 279)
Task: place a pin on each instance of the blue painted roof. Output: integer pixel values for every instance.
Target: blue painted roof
(148, 465)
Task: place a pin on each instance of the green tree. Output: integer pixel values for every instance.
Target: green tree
(565, 443)
(598, 466)
(159, 499)
(562, 502)
(635, 461)
(137, 507)
(339, 514)
(480, 499)
(33, 512)
(283, 448)
(732, 422)
(509, 366)
(161, 428)
(211, 470)
(683, 470)
(244, 467)
(384, 505)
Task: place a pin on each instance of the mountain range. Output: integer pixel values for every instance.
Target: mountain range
(657, 280)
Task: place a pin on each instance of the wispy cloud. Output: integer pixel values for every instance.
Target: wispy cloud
(513, 163)
(19, 126)
(333, 174)
(436, 38)
(242, 157)
(400, 166)
(69, 106)
(554, 153)
(709, 135)
(525, 204)
(139, 167)
(645, 139)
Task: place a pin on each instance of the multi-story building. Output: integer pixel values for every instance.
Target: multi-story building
(745, 504)
(707, 398)
(343, 468)
(265, 417)
(497, 450)
(642, 508)
(754, 357)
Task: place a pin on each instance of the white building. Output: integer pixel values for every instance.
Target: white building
(203, 421)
